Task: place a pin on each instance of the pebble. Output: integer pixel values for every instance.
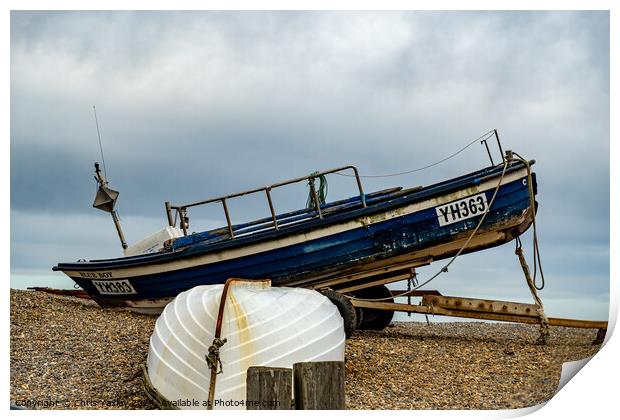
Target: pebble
(68, 353)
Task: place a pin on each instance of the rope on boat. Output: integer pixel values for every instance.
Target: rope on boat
(535, 246)
(544, 322)
(483, 137)
(321, 192)
(531, 280)
(153, 394)
(444, 269)
(213, 358)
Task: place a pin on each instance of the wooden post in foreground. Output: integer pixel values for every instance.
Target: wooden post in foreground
(319, 385)
(269, 388)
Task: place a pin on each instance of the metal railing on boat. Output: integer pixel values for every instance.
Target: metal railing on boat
(181, 210)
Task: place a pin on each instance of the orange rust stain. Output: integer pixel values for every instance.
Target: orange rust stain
(243, 327)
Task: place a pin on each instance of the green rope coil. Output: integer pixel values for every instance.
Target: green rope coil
(321, 192)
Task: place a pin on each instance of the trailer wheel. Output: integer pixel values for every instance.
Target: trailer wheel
(359, 315)
(375, 319)
(346, 309)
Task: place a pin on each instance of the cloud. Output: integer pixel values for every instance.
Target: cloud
(197, 104)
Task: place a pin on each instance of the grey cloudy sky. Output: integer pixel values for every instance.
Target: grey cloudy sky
(196, 104)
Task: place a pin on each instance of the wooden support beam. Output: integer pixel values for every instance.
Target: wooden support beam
(578, 323)
(269, 388)
(360, 272)
(388, 306)
(319, 385)
(430, 310)
(373, 283)
(480, 305)
(416, 293)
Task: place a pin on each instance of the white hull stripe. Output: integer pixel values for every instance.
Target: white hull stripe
(295, 239)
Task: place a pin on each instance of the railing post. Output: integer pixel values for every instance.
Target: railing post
(183, 220)
(273, 213)
(182, 209)
(169, 213)
(315, 197)
(488, 151)
(359, 186)
(269, 388)
(230, 229)
(499, 144)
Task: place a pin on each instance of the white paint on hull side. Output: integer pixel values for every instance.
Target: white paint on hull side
(299, 238)
(148, 306)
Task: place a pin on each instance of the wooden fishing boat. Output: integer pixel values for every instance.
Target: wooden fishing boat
(355, 243)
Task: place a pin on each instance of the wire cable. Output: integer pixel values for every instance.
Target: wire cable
(105, 173)
(444, 269)
(483, 137)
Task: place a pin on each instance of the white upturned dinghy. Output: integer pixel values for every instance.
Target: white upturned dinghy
(262, 326)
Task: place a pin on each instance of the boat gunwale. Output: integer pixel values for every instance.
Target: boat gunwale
(196, 249)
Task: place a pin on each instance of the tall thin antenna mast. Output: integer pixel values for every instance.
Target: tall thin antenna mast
(105, 173)
(105, 199)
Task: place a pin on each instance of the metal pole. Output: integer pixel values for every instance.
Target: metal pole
(273, 213)
(183, 220)
(359, 186)
(108, 205)
(117, 224)
(499, 144)
(230, 229)
(169, 213)
(488, 151)
(315, 197)
(102, 181)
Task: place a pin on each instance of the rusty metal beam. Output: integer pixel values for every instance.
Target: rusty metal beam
(430, 310)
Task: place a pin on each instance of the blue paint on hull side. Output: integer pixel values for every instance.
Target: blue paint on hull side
(379, 241)
(206, 247)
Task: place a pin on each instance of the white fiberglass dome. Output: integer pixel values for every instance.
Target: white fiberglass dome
(263, 326)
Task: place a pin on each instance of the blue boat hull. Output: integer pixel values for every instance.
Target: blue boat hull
(393, 233)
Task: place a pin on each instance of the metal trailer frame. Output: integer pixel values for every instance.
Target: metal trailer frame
(434, 303)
